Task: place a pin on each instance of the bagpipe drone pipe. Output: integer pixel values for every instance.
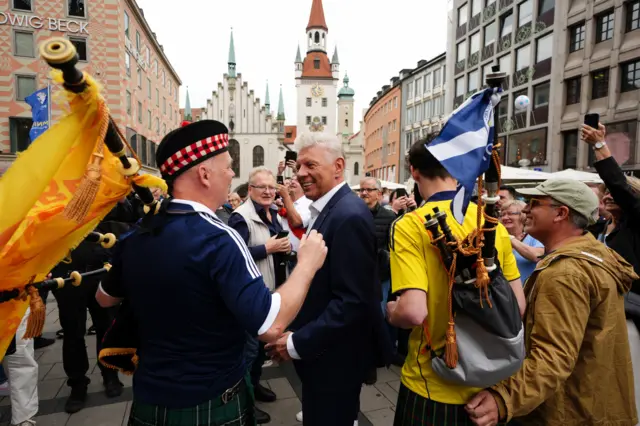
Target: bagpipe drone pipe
(484, 341)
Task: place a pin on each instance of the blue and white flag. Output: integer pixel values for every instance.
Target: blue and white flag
(464, 145)
(39, 102)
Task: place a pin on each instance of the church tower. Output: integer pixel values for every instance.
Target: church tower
(345, 110)
(317, 78)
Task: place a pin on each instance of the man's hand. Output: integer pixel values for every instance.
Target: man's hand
(277, 350)
(281, 167)
(399, 204)
(292, 165)
(274, 245)
(283, 190)
(312, 251)
(591, 135)
(483, 409)
(411, 203)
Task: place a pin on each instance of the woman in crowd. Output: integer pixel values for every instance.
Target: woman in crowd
(526, 249)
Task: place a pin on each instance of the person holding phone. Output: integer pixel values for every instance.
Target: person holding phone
(258, 223)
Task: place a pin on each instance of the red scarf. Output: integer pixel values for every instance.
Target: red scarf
(298, 232)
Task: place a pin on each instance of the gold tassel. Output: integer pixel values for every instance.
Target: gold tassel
(79, 206)
(450, 347)
(35, 323)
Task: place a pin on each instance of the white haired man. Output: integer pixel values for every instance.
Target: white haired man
(335, 338)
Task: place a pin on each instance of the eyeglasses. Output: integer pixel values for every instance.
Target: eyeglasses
(368, 189)
(510, 213)
(537, 202)
(264, 188)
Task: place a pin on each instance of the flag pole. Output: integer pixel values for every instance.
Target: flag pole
(49, 101)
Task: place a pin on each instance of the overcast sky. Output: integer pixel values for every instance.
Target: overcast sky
(376, 39)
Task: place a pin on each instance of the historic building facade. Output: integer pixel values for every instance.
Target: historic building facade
(256, 134)
(115, 45)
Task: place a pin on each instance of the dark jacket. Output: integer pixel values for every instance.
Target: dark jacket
(383, 218)
(625, 238)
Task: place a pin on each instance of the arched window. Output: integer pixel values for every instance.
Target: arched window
(234, 152)
(356, 169)
(258, 156)
(346, 123)
(317, 37)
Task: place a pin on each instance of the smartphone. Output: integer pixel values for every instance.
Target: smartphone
(280, 180)
(592, 120)
(290, 155)
(401, 192)
(282, 234)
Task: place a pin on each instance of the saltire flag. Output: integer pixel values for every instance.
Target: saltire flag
(40, 104)
(35, 232)
(464, 145)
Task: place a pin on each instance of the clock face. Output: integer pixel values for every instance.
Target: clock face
(317, 90)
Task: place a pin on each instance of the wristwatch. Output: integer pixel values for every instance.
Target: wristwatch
(599, 145)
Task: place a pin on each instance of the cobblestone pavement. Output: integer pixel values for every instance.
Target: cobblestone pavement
(377, 402)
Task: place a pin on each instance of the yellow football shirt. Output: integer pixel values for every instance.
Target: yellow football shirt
(415, 264)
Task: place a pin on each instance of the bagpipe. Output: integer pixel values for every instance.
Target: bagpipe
(59, 189)
(484, 340)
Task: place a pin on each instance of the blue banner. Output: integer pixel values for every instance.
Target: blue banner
(39, 102)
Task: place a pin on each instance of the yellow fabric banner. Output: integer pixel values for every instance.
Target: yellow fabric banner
(35, 234)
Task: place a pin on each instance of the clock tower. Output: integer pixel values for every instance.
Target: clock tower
(317, 78)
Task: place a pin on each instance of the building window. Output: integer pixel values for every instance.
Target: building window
(258, 156)
(164, 129)
(462, 15)
(234, 152)
(418, 113)
(395, 102)
(531, 146)
(630, 76)
(506, 24)
(25, 85)
(324, 120)
(418, 87)
(459, 87)
(158, 99)
(128, 100)
(523, 57)
(19, 128)
(472, 84)
(139, 112)
(525, 13)
(149, 119)
(476, 6)
(505, 64)
(576, 37)
(474, 45)
(410, 90)
(573, 90)
(541, 95)
(544, 48)
(22, 5)
(76, 8)
(157, 125)
(81, 47)
(546, 5)
(137, 40)
(148, 87)
(308, 119)
(490, 33)
(126, 25)
(139, 75)
(23, 44)
(462, 51)
(600, 84)
(633, 15)
(324, 102)
(127, 63)
(164, 106)
(604, 27)
(356, 168)
(438, 105)
(316, 64)
(427, 83)
(570, 150)
(426, 113)
(409, 116)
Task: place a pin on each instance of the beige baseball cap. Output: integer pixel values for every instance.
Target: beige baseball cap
(569, 192)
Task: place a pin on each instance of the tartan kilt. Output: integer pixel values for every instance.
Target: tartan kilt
(415, 410)
(239, 411)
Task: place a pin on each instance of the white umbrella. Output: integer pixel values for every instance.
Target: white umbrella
(510, 174)
(577, 175)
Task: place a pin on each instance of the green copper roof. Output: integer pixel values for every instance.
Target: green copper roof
(232, 57)
(346, 91)
(187, 107)
(267, 101)
(280, 106)
(335, 60)
(298, 57)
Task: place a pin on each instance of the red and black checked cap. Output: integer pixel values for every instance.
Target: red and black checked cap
(189, 145)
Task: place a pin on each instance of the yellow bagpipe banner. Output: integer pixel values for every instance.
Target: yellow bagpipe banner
(47, 205)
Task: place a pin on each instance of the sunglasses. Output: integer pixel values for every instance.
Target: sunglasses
(538, 202)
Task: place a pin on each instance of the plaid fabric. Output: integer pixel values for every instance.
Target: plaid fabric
(414, 410)
(237, 412)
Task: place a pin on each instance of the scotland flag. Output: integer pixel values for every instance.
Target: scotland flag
(465, 143)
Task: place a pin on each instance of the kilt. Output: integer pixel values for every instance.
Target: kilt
(236, 411)
(414, 410)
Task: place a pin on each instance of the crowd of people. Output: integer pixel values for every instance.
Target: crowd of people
(297, 267)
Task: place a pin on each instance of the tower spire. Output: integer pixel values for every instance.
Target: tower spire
(280, 106)
(298, 57)
(187, 107)
(335, 60)
(232, 57)
(316, 18)
(267, 101)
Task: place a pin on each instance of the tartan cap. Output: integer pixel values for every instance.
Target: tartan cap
(190, 145)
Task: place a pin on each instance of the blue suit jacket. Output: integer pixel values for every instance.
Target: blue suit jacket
(340, 328)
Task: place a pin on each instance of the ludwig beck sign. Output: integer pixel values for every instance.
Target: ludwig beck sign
(38, 22)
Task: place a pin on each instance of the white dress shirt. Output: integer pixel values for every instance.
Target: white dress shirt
(315, 208)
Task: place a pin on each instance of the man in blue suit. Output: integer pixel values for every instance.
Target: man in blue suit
(339, 334)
